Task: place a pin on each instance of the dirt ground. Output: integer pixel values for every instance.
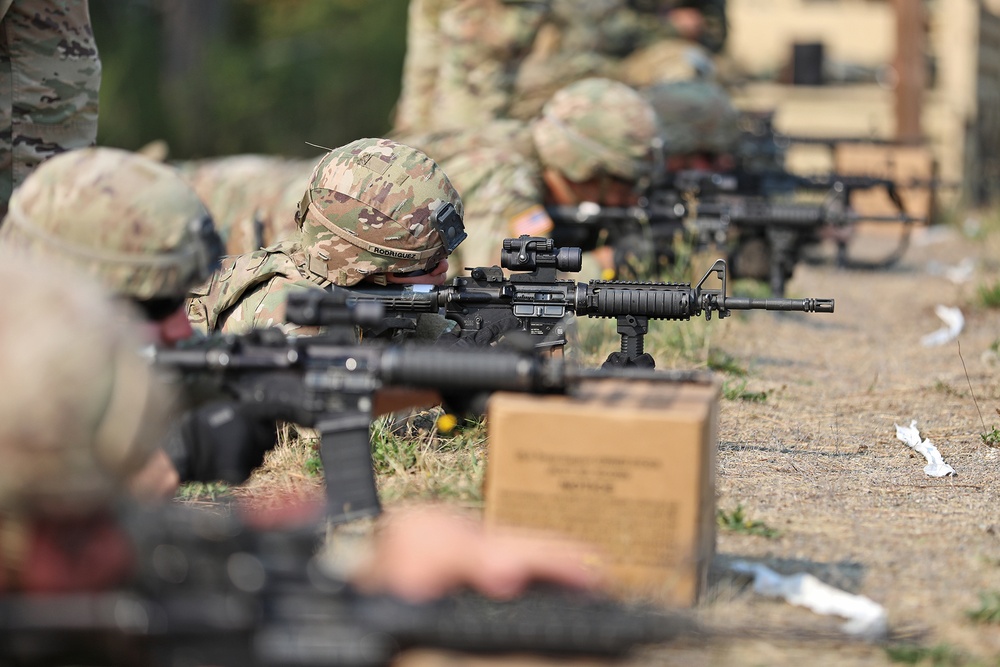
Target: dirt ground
(819, 461)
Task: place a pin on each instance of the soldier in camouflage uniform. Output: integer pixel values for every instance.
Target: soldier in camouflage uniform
(50, 74)
(699, 122)
(374, 210)
(252, 198)
(137, 227)
(594, 141)
(81, 414)
(130, 222)
(639, 43)
(461, 60)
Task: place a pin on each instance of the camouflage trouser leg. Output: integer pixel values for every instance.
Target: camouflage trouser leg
(50, 75)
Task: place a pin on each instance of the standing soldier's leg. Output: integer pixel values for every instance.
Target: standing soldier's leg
(51, 71)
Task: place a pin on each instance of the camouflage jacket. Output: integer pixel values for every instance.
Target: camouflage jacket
(252, 198)
(461, 59)
(48, 85)
(612, 39)
(249, 291)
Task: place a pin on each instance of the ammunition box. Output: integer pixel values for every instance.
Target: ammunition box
(628, 466)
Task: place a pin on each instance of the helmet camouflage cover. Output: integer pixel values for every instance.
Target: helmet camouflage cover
(83, 410)
(597, 126)
(131, 222)
(696, 116)
(376, 206)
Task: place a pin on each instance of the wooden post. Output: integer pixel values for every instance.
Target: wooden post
(911, 68)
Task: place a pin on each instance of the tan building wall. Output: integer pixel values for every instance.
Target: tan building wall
(965, 50)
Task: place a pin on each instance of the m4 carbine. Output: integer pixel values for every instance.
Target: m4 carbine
(732, 210)
(211, 590)
(335, 385)
(540, 301)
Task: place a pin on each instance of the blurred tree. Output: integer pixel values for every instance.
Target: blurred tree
(216, 77)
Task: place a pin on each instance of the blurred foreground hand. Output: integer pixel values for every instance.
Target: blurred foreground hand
(426, 552)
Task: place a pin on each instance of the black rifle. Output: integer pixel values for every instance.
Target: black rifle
(540, 301)
(731, 210)
(331, 383)
(209, 590)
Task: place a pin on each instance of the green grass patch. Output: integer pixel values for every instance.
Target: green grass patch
(757, 289)
(723, 362)
(203, 491)
(989, 295)
(736, 390)
(392, 452)
(737, 521)
(991, 438)
(942, 387)
(988, 610)
(940, 655)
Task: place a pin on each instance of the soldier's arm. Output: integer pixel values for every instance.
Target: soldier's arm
(420, 66)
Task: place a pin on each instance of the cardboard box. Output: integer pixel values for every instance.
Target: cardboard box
(626, 465)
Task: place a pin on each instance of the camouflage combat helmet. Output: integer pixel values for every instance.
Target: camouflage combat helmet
(84, 409)
(597, 126)
(131, 222)
(696, 116)
(375, 207)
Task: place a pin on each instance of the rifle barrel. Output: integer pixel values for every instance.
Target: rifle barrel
(800, 305)
(450, 369)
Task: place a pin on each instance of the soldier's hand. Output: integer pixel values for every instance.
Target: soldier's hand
(423, 553)
(488, 335)
(219, 442)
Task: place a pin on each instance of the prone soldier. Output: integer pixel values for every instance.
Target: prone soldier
(374, 210)
(136, 227)
(638, 43)
(594, 141)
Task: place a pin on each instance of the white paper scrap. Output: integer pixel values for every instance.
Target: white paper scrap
(936, 467)
(954, 322)
(866, 619)
(961, 272)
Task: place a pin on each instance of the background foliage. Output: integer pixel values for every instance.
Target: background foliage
(216, 77)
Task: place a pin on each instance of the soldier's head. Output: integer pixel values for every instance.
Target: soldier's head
(82, 409)
(700, 124)
(378, 210)
(596, 140)
(128, 221)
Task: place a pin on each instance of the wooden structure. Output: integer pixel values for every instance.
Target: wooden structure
(869, 82)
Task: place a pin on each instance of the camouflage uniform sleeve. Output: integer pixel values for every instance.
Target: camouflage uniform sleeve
(264, 306)
(482, 42)
(420, 66)
(49, 85)
(248, 292)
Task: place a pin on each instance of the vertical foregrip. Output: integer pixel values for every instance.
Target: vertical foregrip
(456, 369)
(653, 300)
